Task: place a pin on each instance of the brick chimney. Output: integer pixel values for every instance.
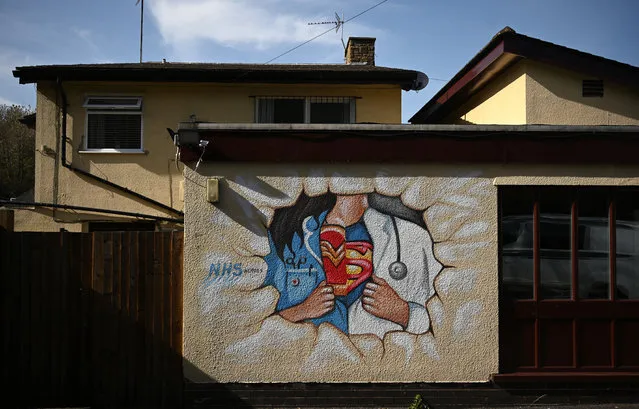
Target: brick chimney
(360, 51)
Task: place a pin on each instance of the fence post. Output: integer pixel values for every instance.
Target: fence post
(6, 220)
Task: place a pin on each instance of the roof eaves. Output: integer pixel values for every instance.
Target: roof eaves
(494, 43)
(181, 72)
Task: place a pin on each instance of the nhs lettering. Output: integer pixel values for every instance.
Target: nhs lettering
(228, 270)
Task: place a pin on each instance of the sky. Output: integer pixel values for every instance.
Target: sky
(437, 37)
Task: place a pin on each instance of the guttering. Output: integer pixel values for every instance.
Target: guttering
(97, 178)
(9, 203)
(395, 130)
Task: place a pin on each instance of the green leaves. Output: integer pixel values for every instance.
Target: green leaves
(17, 150)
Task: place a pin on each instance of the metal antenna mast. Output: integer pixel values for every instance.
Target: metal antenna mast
(339, 24)
(141, 2)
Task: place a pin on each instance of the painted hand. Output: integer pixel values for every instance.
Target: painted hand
(321, 301)
(382, 301)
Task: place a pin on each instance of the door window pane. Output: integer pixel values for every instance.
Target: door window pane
(517, 243)
(627, 253)
(554, 243)
(594, 245)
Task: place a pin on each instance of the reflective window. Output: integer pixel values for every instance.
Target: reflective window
(594, 245)
(554, 244)
(517, 245)
(589, 263)
(627, 245)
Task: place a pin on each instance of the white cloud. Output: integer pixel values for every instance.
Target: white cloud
(10, 59)
(86, 36)
(246, 24)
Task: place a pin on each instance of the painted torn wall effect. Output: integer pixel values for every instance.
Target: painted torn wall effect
(340, 279)
(363, 263)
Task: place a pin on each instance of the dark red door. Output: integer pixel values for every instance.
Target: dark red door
(569, 295)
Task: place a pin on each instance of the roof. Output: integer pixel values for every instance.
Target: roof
(208, 72)
(404, 144)
(29, 120)
(505, 49)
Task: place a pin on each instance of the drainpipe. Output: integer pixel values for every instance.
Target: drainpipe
(97, 178)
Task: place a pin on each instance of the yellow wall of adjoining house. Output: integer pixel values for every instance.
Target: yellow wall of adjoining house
(154, 173)
(553, 97)
(502, 102)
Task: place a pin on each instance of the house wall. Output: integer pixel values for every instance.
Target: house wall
(537, 93)
(501, 102)
(553, 96)
(155, 173)
(233, 283)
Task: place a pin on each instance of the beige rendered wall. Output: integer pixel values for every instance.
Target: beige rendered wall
(553, 96)
(233, 330)
(236, 284)
(501, 102)
(154, 173)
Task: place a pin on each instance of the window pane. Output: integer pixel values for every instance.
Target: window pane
(288, 111)
(554, 242)
(594, 247)
(114, 102)
(627, 254)
(517, 243)
(330, 112)
(114, 131)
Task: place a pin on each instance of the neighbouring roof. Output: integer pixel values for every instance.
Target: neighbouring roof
(205, 72)
(507, 48)
(29, 120)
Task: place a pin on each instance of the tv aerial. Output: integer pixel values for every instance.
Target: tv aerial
(339, 25)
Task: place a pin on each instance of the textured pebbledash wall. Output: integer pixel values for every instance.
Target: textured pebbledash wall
(293, 276)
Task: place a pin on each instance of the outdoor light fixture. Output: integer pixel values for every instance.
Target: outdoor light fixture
(212, 190)
(188, 137)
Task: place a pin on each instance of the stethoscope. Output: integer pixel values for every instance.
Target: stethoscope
(397, 269)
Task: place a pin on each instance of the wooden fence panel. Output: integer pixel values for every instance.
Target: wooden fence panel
(92, 319)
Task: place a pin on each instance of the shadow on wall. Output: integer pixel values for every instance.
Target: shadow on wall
(243, 212)
(567, 86)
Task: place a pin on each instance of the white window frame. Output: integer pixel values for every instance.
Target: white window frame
(112, 110)
(307, 106)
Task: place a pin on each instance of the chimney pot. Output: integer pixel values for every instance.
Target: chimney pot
(360, 51)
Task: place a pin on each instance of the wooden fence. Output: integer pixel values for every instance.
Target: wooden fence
(92, 319)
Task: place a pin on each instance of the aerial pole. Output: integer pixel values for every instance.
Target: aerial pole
(141, 3)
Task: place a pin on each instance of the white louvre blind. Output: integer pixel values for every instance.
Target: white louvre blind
(114, 123)
(114, 131)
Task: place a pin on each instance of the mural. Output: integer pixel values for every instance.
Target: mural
(309, 275)
(363, 263)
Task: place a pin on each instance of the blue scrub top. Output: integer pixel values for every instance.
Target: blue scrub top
(301, 270)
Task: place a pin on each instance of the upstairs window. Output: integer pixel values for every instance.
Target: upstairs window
(113, 124)
(305, 110)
